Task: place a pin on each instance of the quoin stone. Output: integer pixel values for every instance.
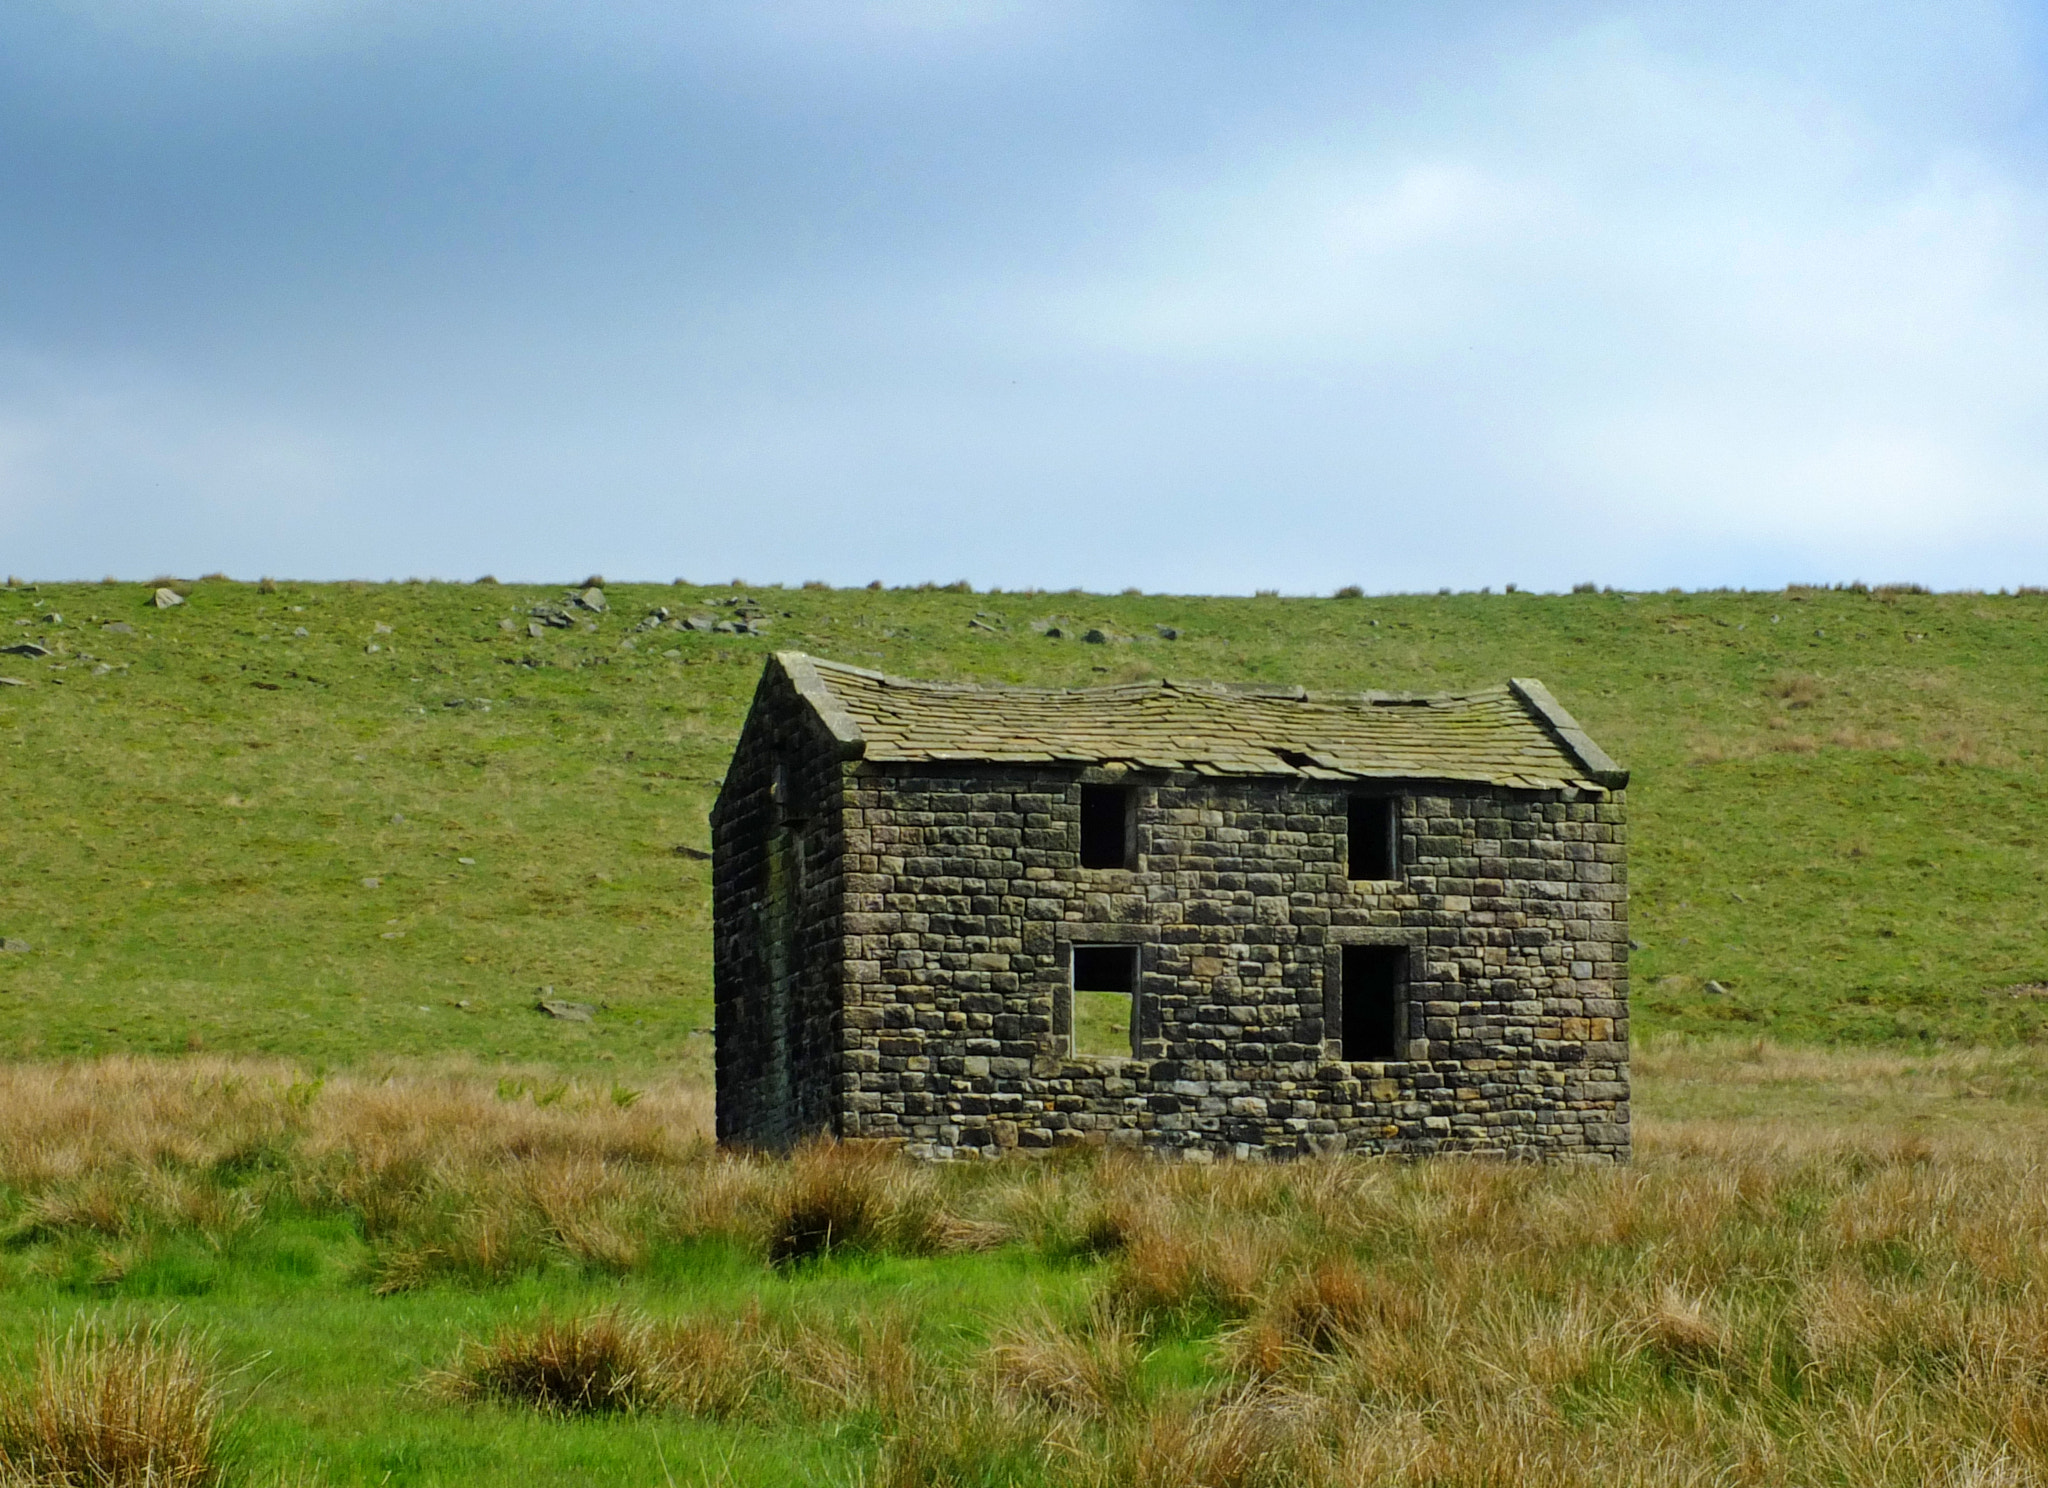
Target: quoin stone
(1204, 921)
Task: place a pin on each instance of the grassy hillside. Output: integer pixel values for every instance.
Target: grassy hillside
(222, 833)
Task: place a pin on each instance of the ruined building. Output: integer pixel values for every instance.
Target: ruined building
(1194, 919)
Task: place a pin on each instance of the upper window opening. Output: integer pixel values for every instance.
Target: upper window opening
(1105, 826)
(1372, 995)
(1373, 823)
(1105, 998)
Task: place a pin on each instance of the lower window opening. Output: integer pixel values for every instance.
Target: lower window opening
(1105, 999)
(1372, 988)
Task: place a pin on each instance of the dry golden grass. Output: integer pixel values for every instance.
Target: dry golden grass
(1089, 1367)
(113, 1405)
(1822, 1268)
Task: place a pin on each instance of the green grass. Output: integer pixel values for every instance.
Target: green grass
(1836, 797)
(1825, 1264)
(1102, 1023)
(333, 1376)
(1835, 820)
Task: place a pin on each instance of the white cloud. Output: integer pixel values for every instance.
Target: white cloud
(1689, 301)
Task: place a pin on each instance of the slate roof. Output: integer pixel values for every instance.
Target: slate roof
(1514, 735)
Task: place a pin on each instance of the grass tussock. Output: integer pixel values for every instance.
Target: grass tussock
(1089, 1367)
(115, 1405)
(840, 1196)
(592, 1365)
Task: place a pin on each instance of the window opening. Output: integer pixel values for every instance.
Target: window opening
(1105, 999)
(1105, 826)
(1372, 988)
(1373, 821)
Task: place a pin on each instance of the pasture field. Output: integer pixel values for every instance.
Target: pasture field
(1826, 1267)
(377, 840)
(294, 1175)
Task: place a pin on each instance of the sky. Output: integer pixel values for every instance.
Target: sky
(1183, 296)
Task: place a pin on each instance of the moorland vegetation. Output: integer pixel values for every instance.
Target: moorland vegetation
(298, 1185)
(1823, 1268)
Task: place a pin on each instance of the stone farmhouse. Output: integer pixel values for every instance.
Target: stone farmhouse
(1199, 920)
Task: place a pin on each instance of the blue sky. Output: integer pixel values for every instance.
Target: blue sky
(1184, 296)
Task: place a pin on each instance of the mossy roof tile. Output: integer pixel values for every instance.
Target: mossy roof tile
(1513, 735)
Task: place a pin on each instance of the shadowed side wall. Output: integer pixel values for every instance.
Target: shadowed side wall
(777, 841)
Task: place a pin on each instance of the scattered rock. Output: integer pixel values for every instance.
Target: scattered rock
(13, 946)
(1095, 638)
(1715, 989)
(535, 629)
(684, 850)
(671, 654)
(373, 883)
(570, 1012)
(980, 625)
(591, 599)
(26, 648)
(166, 598)
(372, 649)
(301, 632)
(1168, 632)
(552, 615)
(380, 628)
(467, 862)
(12, 682)
(654, 619)
(702, 623)
(1637, 945)
(122, 627)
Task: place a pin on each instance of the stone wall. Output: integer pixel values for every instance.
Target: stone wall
(778, 856)
(922, 1008)
(964, 893)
